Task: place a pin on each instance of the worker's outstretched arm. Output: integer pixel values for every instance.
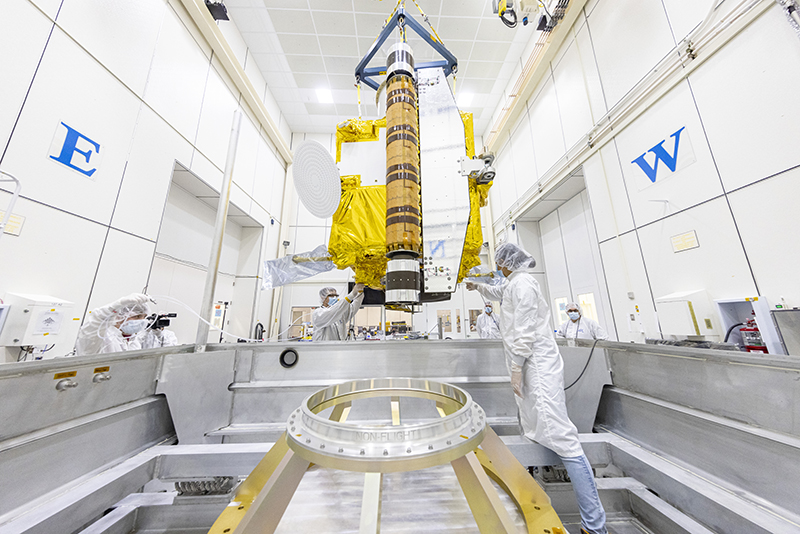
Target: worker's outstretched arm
(357, 297)
(489, 292)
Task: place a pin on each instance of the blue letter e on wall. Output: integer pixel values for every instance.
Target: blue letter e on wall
(76, 151)
(661, 154)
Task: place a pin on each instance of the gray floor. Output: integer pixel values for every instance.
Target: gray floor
(429, 500)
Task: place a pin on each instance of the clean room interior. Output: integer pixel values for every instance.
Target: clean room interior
(243, 240)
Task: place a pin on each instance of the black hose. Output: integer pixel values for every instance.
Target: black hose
(259, 333)
(511, 23)
(585, 366)
(731, 330)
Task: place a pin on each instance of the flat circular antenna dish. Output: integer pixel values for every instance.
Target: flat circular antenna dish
(316, 179)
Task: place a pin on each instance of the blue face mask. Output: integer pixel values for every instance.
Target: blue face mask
(488, 309)
(574, 315)
(499, 274)
(332, 301)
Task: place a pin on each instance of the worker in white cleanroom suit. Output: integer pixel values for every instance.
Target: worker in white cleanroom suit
(114, 327)
(537, 375)
(331, 319)
(487, 324)
(580, 327)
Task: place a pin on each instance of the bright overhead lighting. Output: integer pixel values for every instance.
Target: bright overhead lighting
(464, 99)
(324, 96)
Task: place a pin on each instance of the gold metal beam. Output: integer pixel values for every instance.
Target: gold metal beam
(261, 499)
(395, 411)
(504, 468)
(371, 504)
(487, 508)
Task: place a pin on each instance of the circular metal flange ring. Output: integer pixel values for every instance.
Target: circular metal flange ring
(380, 448)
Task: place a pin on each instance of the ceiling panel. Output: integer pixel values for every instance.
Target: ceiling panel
(305, 45)
(340, 46)
(292, 20)
(335, 23)
(300, 44)
(305, 63)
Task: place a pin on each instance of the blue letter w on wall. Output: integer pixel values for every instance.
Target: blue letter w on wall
(661, 155)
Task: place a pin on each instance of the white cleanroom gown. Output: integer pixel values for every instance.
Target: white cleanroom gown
(583, 328)
(153, 339)
(487, 326)
(528, 341)
(100, 335)
(330, 324)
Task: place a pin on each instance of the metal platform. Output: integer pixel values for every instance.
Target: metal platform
(685, 440)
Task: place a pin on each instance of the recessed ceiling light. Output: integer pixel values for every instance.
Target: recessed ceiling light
(324, 96)
(464, 99)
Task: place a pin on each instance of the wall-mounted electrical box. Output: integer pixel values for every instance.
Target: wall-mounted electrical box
(688, 315)
(35, 320)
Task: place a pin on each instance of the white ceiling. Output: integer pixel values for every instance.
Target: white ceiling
(303, 45)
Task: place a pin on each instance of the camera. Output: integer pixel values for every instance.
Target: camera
(160, 320)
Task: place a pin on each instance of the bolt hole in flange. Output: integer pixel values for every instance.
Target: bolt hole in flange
(289, 358)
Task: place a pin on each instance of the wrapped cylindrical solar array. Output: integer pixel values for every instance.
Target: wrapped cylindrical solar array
(403, 223)
(402, 156)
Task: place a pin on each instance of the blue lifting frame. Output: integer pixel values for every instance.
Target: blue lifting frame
(398, 20)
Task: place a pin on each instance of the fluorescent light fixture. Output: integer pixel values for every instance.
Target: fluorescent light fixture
(324, 96)
(464, 99)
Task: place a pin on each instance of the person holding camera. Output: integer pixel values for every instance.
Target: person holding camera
(156, 334)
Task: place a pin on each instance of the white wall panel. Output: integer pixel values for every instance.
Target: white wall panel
(504, 189)
(216, 119)
(142, 196)
(307, 238)
(244, 170)
(240, 199)
(717, 266)
(263, 180)
(86, 99)
(695, 179)
(573, 98)
(253, 72)
(530, 240)
(742, 97)
(521, 153)
(684, 16)
(765, 214)
(548, 138)
(554, 259)
(124, 268)
(22, 29)
(609, 201)
(120, 34)
(66, 250)
(188, 229)
(625, 273)
(594, 88)
(49, 7)
(577, 246)
(630, 37)
(234, 39)
(177, 77)
(206, 171)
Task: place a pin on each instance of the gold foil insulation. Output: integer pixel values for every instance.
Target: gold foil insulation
(477, 199)
(358, 236)
(403, 226)
(356, 130)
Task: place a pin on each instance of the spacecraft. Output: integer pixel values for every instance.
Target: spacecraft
(404, 191)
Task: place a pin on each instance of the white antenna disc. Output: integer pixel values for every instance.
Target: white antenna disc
(316, 179)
